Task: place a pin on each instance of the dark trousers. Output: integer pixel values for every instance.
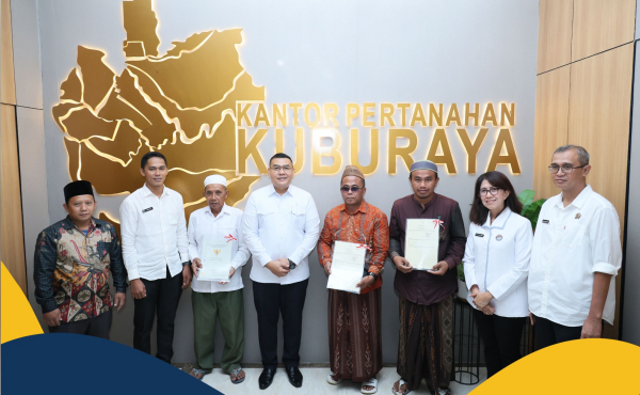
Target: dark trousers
(501, 337)
(96, 326)
(270, 301)
(163, 296)
(549, 333)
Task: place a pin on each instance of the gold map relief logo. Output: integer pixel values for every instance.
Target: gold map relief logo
(180, 103)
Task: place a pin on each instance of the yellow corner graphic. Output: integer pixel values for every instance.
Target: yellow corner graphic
(587, 366)
(17, 317)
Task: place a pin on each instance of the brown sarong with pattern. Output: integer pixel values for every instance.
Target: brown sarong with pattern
(425, 350)
(355, 339)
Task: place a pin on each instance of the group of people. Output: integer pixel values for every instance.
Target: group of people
(562, 277)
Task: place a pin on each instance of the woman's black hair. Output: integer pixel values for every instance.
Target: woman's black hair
(478, 214)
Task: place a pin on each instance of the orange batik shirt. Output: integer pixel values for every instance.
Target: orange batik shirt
(368, 225)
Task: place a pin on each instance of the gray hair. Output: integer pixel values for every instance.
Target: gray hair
(583, 155)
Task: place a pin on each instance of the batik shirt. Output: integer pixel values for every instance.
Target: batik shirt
(368, 225)
(71, 269)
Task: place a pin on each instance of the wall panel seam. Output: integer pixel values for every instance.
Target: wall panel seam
(626, 203)
(24, 241)
(590, 56)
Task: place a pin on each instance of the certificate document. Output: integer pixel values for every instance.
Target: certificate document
(347, 266)
(216, 261)
(421, 243)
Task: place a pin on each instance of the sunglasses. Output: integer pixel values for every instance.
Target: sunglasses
(353, 189)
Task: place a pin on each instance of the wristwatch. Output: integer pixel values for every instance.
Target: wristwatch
(375, 276)
(292, 265)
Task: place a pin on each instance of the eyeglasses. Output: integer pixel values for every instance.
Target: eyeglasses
(285, 168)
(353, 189)
(492, 190)
(566, 169)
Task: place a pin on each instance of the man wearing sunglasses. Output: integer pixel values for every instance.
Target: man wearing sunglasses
(426, 297)
(575, 257)
(355, 344)
(281, 228)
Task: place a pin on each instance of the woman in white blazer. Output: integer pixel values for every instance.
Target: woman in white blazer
(496, 264)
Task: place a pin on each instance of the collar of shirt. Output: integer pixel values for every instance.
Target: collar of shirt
(363, 208)
(579, 201)
(224, 211)
(417, 203)
(146, 191)
(68, 224)
(290, 191)
(500, 221)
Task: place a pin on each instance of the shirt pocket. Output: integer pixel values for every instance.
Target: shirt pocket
(266, 217)
(575, 234)
(172, 214)
(297, 217)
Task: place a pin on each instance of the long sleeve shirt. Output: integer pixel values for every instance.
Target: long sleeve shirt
(496, 259)
(368, 225)
(419, 286)
(280, 226)
(154, 234)
(71, 269)
(570, 245)
(226, 227)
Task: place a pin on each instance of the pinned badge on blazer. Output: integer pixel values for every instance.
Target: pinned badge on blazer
(147, 209)
(499, 237)
(545, 221)
(479, 235)
(578, 216)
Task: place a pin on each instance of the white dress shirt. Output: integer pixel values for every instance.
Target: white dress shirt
(203, 226)
(496, 259)
(571, 244)
(154, 234)
(280, 226)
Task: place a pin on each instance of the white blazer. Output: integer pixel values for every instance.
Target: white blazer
(496, 259)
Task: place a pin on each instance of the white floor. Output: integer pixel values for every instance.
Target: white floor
(315, 383)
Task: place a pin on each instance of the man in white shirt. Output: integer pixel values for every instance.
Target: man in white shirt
(155, 249)
(221, 224)
(281, 227)
(575, 257)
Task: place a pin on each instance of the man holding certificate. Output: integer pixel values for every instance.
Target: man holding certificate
(427, 241)
(217, 251)
(353, 246)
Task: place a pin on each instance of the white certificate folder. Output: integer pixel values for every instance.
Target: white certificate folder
(216, 261)
(347, 266)
(421, 243)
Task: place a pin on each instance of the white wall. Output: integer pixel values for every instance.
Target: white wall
(329, 51)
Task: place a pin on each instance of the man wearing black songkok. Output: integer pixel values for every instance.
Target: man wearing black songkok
(72, 262)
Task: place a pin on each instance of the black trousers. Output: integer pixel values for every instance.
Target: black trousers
(96, 326)
(270, 301)
(163, 296)
(549, 333)
(501, 337)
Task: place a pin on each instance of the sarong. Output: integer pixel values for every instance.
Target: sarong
(425, 349)
(355, 339)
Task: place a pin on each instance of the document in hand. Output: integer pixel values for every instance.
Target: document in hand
(216, 261)
(347, 266)
(421, 243)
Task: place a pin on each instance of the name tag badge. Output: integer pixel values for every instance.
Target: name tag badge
(479, 235)
(147, 209)
(545, 221)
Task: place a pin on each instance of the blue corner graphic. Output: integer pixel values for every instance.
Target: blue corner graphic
(67, 364)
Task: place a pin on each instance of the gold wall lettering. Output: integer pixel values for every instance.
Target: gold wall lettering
(198, 106)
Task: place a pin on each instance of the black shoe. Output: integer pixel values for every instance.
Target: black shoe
(266, 378)
(295, 377)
